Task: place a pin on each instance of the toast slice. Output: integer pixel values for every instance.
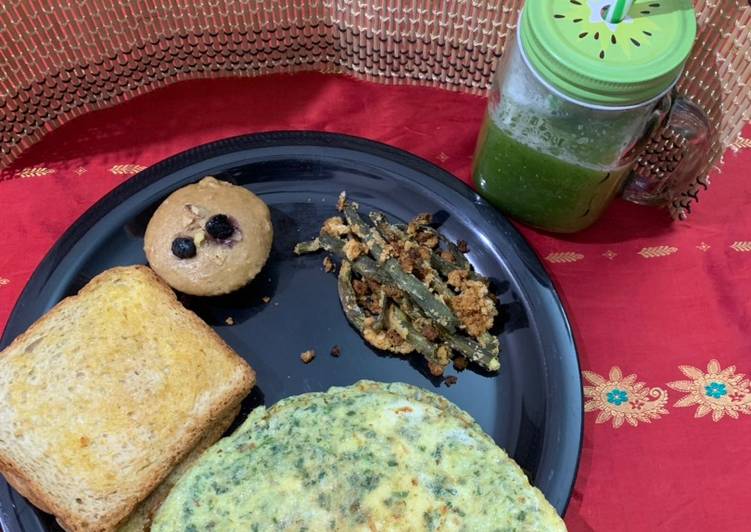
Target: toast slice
(106, 393)
(140, 519)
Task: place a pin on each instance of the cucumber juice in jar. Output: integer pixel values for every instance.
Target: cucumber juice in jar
(568, 106)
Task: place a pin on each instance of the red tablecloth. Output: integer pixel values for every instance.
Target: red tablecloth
(661, 311)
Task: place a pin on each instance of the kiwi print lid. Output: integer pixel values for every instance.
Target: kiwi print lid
(571, 45)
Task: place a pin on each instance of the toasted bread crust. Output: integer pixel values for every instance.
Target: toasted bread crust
(69, 516)
(140, 519)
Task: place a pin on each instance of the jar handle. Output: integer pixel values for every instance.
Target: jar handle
(669, 165)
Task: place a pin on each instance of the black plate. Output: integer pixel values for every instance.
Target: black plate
(533, 409)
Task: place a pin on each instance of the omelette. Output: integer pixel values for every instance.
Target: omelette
(367, 457)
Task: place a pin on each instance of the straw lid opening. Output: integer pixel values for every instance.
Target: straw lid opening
(578, 51)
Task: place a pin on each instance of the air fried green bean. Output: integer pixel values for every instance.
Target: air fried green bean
(408, 302)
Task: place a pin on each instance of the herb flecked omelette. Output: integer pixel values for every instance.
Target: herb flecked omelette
(370, 456)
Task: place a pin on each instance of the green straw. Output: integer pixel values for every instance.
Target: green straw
(618, 11)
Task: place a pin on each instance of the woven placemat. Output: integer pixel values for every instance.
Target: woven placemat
(59, 60)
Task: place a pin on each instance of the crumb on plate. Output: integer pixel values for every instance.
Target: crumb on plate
(436, 370)
(460, 363)
(307, 356)
(450, 381)
(336, 351)
(229, 321)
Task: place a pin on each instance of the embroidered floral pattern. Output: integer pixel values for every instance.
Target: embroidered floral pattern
(622, 398)
(37, 171)
(740, 143)
(736, 396)
(120, 169)
(563, 256)
(719, 391)
(715, 389)
(617, 397)
(742, 246)
(657, 251)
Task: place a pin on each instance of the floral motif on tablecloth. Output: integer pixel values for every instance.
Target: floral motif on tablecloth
(657, 251)
(36, 171)
(719, 391)
(740, 143)
(558, 257)
(741, 246)
(622, 398)
(123, 169)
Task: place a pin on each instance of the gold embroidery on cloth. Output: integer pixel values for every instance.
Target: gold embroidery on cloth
(740, 143)
(657, 251)
(120, 169)
(741, 246)
(36, 171)
(564, 256)
(719, 391)
(623, 398)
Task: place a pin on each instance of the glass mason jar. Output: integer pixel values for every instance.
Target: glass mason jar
(570, 107)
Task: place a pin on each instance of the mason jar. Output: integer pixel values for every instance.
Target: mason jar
(572, 101)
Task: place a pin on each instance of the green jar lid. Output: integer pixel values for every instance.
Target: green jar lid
(572, 47)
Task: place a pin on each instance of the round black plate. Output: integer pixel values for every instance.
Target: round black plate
(533, 408)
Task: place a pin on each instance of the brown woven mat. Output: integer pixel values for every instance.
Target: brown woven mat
(61, 59)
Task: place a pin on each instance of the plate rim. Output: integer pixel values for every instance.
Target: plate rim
(91, 216)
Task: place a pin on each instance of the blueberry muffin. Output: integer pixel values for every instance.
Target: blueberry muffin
(209, 238)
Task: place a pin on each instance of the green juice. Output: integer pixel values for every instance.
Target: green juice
(539, 189)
